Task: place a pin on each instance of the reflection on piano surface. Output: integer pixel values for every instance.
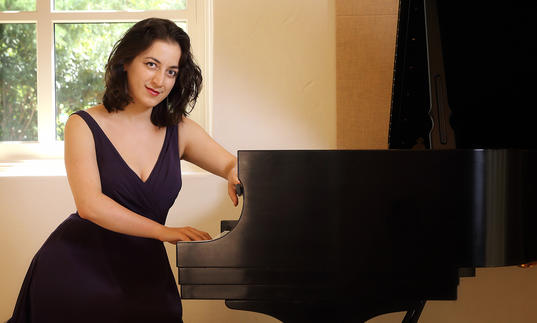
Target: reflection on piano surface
(329, 236)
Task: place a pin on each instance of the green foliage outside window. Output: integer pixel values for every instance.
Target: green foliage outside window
(20, 5)
(120, 4)
(81, 52)
(29, 5)
(18, 80)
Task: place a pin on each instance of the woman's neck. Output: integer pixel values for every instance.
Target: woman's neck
(135, 113)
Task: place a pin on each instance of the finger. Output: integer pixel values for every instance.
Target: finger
(233, 178)
(175, 235)
(204, 235)
(194, 234)
(233, 195)
(183, 237)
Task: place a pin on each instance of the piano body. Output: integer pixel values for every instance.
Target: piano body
(343, 236)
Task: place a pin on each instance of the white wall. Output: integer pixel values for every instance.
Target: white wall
(274, 88)
(274, 69)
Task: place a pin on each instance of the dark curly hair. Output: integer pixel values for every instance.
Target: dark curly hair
(137, 39)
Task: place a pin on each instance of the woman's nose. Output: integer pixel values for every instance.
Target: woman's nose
(158, 78)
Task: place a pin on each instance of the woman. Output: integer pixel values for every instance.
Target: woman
(107, 262)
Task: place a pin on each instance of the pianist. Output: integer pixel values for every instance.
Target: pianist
(106, 262)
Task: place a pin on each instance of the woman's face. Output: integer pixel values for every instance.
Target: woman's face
(152, 74)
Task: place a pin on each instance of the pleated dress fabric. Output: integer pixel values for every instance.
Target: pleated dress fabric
(86, 273)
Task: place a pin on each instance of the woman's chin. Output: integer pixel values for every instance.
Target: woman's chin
(147, 104)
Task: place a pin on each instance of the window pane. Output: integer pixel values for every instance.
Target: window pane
(81, 52)
(120, 4)
(18, 81)
(19, 5)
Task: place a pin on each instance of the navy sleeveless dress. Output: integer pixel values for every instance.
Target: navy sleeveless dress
(86, 273)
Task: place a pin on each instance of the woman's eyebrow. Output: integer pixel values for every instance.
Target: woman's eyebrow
(156, 60)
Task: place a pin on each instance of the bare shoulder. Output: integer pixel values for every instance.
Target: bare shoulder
(187, 126)
(188, 130)
(98, 112)
(76, 123)
(77, 130)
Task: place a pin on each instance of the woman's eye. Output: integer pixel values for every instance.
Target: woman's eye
(151, 64)
(172, 73)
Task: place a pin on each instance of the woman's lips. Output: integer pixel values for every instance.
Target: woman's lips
(152, 92)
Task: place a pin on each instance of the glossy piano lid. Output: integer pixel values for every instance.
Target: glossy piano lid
(489, 69)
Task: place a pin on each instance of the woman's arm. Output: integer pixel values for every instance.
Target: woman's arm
(93, 205)
(200, 149)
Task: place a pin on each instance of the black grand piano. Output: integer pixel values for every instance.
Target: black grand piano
(345, 235)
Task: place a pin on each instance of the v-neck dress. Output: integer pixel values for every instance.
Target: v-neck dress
(86, 273)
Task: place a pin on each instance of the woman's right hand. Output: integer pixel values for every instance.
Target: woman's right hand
(174, 234)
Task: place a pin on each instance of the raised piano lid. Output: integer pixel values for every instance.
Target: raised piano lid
(484, 55)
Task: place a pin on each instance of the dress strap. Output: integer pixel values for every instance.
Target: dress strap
(92, 124)
(98, 136)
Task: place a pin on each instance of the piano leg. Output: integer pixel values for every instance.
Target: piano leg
(304, 312)
(285, 311)
(413, 314)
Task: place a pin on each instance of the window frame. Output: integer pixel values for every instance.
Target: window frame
(198, 16)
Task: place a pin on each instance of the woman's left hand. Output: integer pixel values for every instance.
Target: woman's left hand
(232, 181)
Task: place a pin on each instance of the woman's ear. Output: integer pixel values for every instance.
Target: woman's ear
(126, 66)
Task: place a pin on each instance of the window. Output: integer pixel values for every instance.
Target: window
(52, 57)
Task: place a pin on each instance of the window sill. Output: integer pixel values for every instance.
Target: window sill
(38, 167)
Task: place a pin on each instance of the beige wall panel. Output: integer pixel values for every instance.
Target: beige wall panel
(374, 7)
(365, 47)
(366, 7)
